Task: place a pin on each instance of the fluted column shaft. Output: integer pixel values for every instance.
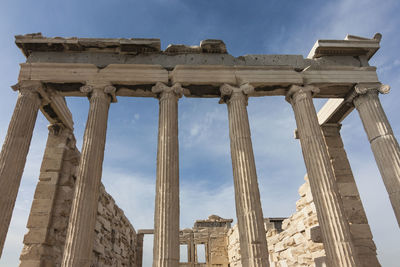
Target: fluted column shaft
(80, 234)
(166, 214)
(14, 152)
(383, 142)
(253, 244)
(335, 230)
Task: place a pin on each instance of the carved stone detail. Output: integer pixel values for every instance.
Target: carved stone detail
(164, 91)
(364, 88)
(229, 92)
(100, 89)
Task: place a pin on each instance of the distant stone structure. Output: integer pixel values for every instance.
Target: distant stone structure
(75, 223)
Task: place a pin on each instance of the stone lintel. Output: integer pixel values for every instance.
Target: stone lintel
(129, 79)
(145, 231)
(335, 110)
(56, 110)
(200, 80)
(351, 46)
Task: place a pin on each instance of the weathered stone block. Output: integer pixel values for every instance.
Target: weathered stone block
(340, 164)
(41, 206)
(303, 189)
(45, 191)
(300, 226)
(36, 236)
(348, 189)
(320, 262)
(65, 193)
(354, 210)
(299, 239)
(39, 220)
(37, 263)
(332, 142)
(360, 230)
(51, 163)
(49, 177)
(279, 247)
(314, 234)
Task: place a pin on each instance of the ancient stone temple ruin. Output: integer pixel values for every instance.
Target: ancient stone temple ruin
(74, 222)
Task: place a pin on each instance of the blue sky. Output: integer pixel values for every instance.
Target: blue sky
(247, 27)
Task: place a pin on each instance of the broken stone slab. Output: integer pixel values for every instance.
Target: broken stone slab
(320, 262)
(351, 46)
(213, 46)
(38, 43)
(314, 234)
(182, 49)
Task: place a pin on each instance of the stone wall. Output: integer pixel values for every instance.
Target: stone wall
(298, 243)
(359, 228)
(234, 247)
(115, 240)
(212, 233)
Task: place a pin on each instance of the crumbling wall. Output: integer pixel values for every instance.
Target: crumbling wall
(234, 247)
(212, 233)
(115, 239)
(299, 242)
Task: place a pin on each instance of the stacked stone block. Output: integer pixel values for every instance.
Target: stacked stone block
(359, 228)
(49, 214)
(234, 247)
(299, 242)
(115, 237)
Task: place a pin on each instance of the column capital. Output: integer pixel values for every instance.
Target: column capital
(59, 128)
(229, 92)
(28, 88)
(164, 91)
(366, 88)
(296, 91)
(92, 89)
(331, 129)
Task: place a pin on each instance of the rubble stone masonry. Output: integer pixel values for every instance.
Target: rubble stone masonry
(299, 241)
(115, 237)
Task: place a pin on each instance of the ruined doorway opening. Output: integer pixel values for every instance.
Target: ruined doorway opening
(183, 255)
(201, 253)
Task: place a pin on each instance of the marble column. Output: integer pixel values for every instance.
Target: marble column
(380, 135)
(15, 149)
(253, 243)
(80, 235)
(339, 248)
(166, 214)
